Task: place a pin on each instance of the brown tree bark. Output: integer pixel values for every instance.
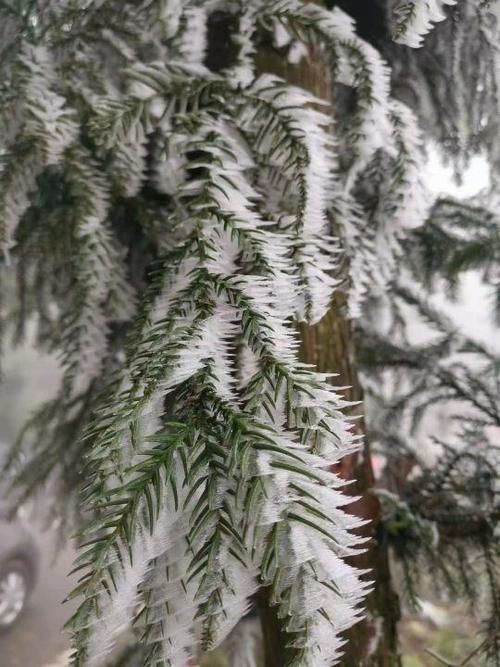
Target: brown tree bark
(329, 345)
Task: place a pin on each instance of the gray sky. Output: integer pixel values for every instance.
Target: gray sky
(439, 177)
(472, 311)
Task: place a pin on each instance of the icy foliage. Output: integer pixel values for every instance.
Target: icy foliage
(431, 379)
(415, 18)
(451, 82)
(172, 218)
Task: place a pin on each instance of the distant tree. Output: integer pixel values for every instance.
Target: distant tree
(198, 198)
(441, 501)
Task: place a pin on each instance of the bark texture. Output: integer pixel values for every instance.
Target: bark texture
(329, 345)
(372, 642)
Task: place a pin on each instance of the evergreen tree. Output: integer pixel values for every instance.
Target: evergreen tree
(441, 498)
(174, 200)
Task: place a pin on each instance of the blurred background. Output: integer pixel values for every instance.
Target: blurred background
(36, 638)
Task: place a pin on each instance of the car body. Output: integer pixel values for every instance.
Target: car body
(19, 565)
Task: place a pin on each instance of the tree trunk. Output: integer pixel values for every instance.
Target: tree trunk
(329, 346)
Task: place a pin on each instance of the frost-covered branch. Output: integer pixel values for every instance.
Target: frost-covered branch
(416, 18)
(170, 225)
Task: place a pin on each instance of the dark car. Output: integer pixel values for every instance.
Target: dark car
(19, 561)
